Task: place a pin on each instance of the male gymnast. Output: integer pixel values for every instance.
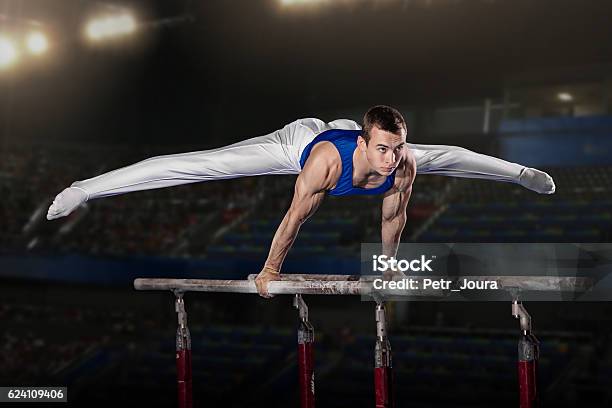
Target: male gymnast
(337, 158)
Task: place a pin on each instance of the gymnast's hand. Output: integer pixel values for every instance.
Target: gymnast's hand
(266, 275)
(66, 202)
(391, 275)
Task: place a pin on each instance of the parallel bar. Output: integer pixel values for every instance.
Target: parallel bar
(310, 277)
(537, 283)
(302, 284)
(246, 286)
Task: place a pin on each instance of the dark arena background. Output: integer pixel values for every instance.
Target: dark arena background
(90, 86)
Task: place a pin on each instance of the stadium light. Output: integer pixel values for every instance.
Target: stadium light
(37, 43)
(8, 52)
(296, 2)
(565, 97)
(110, 27)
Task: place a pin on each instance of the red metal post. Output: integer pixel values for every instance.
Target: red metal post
(383, 372)
(528, 354)
(183, 355)
(305, 355)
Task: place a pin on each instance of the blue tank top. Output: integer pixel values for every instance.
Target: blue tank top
(346, 143)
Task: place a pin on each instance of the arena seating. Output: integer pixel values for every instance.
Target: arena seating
(480, 211)
(239, 218)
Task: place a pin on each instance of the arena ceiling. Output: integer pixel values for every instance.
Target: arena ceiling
(291, 58)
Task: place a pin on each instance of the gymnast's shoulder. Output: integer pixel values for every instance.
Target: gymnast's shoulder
(323, 165)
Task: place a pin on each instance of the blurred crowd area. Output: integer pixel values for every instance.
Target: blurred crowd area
(178, 221)
(239, 217)
(145, 223)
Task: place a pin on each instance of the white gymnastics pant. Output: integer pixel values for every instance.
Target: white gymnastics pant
(279, 153)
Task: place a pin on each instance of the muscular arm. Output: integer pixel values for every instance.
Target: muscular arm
(394, 220)
(319, 174)
(394, 206)
(306, 199)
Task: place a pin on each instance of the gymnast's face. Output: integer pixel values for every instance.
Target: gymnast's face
(385, 150)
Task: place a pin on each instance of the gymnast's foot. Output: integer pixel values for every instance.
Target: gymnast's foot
(66, 202)
(536, 180)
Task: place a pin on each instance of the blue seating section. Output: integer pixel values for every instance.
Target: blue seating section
(557, 141)
(320, 235)
(556, 124)
(481, 211)
(565, 221)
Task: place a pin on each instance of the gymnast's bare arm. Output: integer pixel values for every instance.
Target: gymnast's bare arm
(394, 206)
(320, 173)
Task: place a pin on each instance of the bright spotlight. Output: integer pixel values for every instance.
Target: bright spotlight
(37, 43)
(565, 97)
(8, 52)
(299, 2)
(95, 29)
(125, 24)
(112, 26)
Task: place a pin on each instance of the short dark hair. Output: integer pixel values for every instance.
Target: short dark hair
(385, 118)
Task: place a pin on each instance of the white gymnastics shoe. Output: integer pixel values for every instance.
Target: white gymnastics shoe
(537, 180)
(66, 202)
